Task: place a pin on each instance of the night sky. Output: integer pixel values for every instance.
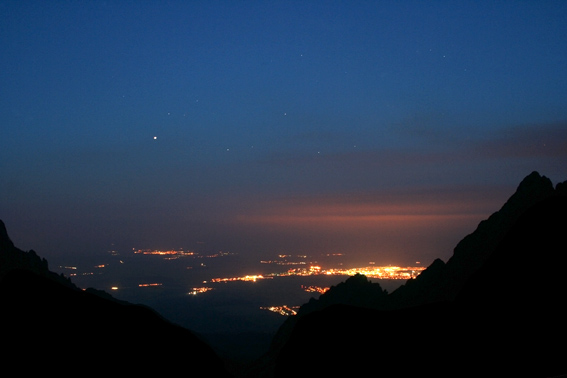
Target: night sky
(385, 130)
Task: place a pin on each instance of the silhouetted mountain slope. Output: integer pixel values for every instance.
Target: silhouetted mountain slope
(517, 299)
(444, 282)
(440, 281)
(51, 326)
(505, 318)
(12, 257)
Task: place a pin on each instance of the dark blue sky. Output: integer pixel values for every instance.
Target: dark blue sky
(386, 130)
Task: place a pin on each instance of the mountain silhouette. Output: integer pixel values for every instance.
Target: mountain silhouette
(444, 281)
(51, 326)
(496, 308)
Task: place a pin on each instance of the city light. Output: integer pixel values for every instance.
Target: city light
(167, 255)
(199, 290)
(298, 265)
(248, 278)
(315, 289)
(282, 310)
(381, 272)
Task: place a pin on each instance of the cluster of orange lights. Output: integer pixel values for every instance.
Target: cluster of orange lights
(248, 278)
(381, 272)
(315, 289)
(282, 310)
(199, 290)
(150, 284)
(169, 255)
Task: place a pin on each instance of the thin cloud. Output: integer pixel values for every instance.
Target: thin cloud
(377, 208)
(530, 141)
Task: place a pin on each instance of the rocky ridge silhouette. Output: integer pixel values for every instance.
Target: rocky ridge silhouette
(49, 325)
(430, 324)
(488, 311)
(496, 308)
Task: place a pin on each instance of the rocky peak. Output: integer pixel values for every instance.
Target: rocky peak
(5, 241)
(532, 189)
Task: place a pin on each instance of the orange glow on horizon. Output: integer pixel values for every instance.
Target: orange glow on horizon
(362, 212)
(356, 222)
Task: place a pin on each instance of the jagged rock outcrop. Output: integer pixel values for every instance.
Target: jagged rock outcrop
(11, 257)
(5, 241)
(444, 283)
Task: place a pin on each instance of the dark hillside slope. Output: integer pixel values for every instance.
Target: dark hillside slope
(49, 326)
(517, 301)
(507, 319)
(446, 280)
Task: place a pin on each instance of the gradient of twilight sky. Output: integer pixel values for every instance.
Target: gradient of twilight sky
(382, 129)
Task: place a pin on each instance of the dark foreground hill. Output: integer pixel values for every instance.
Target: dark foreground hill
(48, 325)
(497, 308)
